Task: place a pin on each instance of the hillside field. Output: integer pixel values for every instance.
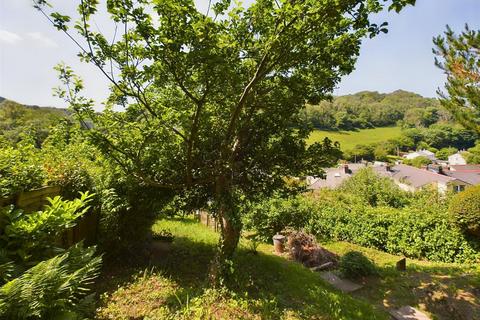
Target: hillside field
(349, 139)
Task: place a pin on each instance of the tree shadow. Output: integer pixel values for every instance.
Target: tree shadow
(447, 292)
(277, 285)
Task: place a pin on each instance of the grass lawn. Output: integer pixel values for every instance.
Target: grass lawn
(445, 290)
(172, 284)
(263, 286)
(349, 139)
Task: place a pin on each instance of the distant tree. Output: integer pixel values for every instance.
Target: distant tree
(418, 162)
(459, 57)
(444, 153)
(212, 99)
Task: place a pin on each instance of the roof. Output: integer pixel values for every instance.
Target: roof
(413, 176)
(472, 178)
(334, 177)
(466, 167)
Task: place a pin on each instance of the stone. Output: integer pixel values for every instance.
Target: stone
(322, 267)
(339, 283)
(408, 313)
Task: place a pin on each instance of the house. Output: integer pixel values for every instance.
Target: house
(335, 176)
(422, 153)
(465, 168)
(409, 178)
(469, 173)
(457, 159)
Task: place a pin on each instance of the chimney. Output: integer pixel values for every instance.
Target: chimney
(345, 169)
(388, 167)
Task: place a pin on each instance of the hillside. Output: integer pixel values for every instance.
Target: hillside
(369, 109)
(17, 119)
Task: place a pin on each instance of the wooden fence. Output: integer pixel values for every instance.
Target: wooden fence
(34, 200)
(208, 220)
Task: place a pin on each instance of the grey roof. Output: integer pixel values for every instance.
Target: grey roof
(413, 176)
(472, 178)
(465, 167)
(335, 176)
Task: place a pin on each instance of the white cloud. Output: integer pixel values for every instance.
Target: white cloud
(42, 39)
(9, 37)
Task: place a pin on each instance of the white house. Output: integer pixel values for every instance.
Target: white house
(456, 159)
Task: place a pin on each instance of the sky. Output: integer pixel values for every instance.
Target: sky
(402, 59)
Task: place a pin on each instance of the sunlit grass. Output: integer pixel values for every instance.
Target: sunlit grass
(349, 139)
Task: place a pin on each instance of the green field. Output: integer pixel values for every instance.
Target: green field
(349, 139)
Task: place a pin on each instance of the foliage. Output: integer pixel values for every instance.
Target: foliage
(20, 169)
(17, 119)
(458, 55)
(212, 106)
(418, 162)
(419, 227)
(465, 210)
(473, 154)
(69, 160)
(354, 265)
(444, 153)
(40, 279)
(53, 289)
(375, 190)
(275, 214)
(372, 109)
(419, 230)
(28, 238)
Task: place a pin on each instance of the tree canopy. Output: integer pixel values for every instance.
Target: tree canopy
(211, 100)
(458, 55)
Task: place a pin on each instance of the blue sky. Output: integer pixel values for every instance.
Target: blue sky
(401, 59)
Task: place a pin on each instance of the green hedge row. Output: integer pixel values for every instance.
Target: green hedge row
(408, 231)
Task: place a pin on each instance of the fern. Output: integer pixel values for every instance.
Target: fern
(55, 287)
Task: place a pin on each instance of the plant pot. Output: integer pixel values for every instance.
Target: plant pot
(278, 243)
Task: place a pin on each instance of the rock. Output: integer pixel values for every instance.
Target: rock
(339, 283)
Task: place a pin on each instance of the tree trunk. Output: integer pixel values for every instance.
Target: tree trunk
(230, 228)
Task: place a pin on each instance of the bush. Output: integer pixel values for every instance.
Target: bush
(355, 265)
(271, 216)
(465, 210)
(20, 169)
(374, 189)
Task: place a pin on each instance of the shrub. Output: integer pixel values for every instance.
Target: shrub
(465, 210)
(355, 265)
(271, 216)
(374, 189)
(20, 169)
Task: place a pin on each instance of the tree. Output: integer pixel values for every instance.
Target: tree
(459, 57)
(212, 100)
(465, 210)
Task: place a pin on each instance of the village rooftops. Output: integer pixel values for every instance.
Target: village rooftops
(412, 176)
(335, 176)
(470, 177)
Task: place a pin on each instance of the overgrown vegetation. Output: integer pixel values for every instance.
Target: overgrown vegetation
(39, 278)
(373, 212)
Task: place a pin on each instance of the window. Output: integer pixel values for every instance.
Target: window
(459, 188)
